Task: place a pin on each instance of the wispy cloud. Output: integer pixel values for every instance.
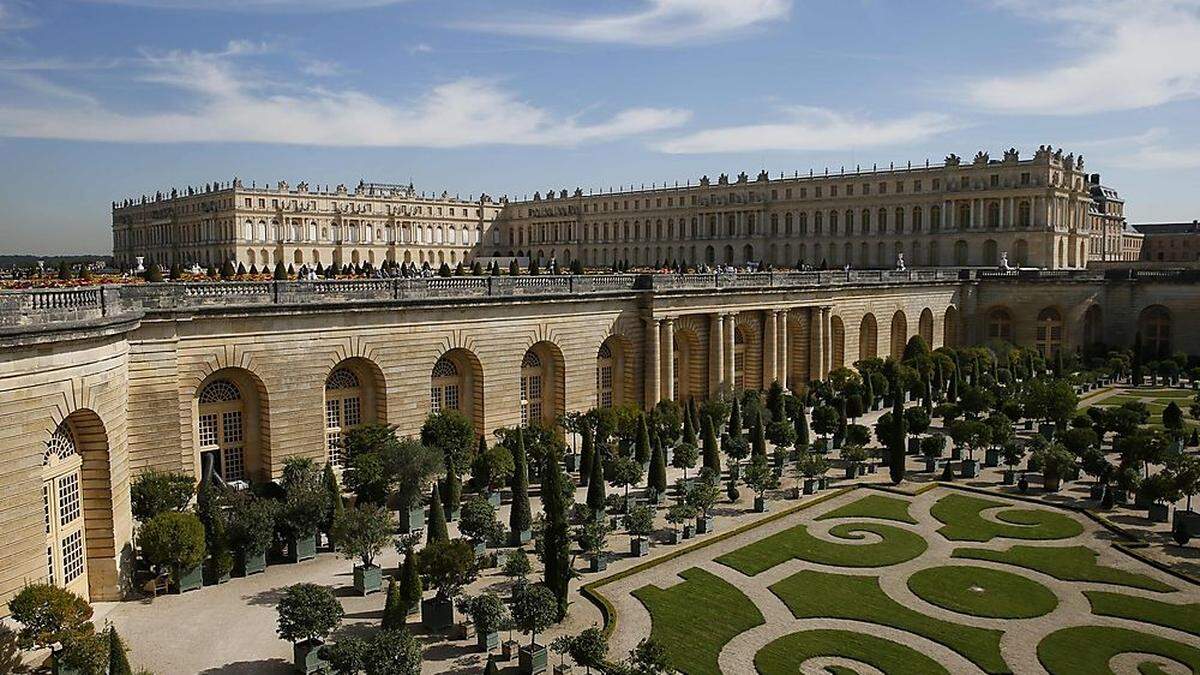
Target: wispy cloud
(656, 22)
(1124, 55)
(255, 5)
(1151, 150)
(224, 103)
(812, 129)
(15, 15)
(320, 68)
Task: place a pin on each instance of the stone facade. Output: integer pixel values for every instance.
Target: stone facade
(1170, 242)
(248, 374)
(1112, 239)
(260, 226)
(959, 213)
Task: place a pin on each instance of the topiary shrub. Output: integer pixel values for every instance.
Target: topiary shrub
(308, 613)
(47, 614)
(154, 492)
(174, 541)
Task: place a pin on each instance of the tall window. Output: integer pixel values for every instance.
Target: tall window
(531, 388)
(1000, 325)
(444, 386)
(62, 498)
(1049, 332)
(222, 432)
(1154, 324)
(343, 411)
(604, 376)
(739, 359)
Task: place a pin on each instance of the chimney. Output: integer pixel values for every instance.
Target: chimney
(1095, 179)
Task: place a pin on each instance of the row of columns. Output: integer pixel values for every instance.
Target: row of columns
(659, 350)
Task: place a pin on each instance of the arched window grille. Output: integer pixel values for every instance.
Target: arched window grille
(62, 499)
(444, 386)
(531, 388)
(221, 429)
(604, 376)
(343, 412)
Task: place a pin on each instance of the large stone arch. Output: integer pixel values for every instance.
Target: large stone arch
(1093, 325)
(868, 337)
(258, 460)
(691, 360)
(354, 394)
(899, 334)
(460, 368)
(541, 401)
(950, 327)
(748, 339)
(616, 354)
(925, 326)
(837, 339)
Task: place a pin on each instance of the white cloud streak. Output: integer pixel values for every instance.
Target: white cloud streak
(1124, 55)
(223, 103)
(254, 5)
(657, 23)
(812, 129)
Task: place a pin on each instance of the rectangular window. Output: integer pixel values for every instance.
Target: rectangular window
(68, 499)
(231, 427)
(72, 556)
(46, 503)
(234, 462)
(452, 396)
(333, 415)
(435, 399)
(353, 412)
(50, 565)
(208, 429)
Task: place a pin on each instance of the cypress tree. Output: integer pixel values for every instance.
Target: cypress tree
(520, 519)
(758, 439)
(291, 270)
(641, 453)
(211, 271)
(695, 417)
(556, 538)
(436, 530)
(336, 505)
(118, 660)
(735, 419)
(712, 455)
(689, 429)
(586, 452)
(227, 270)
(596, 488)
(802, 435)
(897, 440)
(64, 270)
(410, 590)
(280, 273)
(869, 393)
(453, 495)
(241, 270)
(394, 612)
(658, 470)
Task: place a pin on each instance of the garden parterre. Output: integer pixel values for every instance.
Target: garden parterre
(1022, 589)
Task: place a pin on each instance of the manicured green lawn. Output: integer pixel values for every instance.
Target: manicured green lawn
(897, 546)
(811, 594)
(980, 591)
(1086, 650)
(961, 521)
(1185, 617)
(784, 655)
(695, 619)
(874, 506)
(1156, 401)
(1069, 563)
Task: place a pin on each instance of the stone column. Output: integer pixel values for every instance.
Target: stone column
(782, 348)
(716, 351)
(652, 365)
(730, 371)
(668, 359)
(770, 358)
(816, 342)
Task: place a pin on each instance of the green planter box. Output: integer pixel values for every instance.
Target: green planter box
(301, 548)
(245, 564)
(930, 465)
(1010, 477)
(368, 580)
(190, 580)
(494, 499)
(487, 641)
(211, 577)
(519, 538)
(760, 505)
(307, 657)
(437, 613)
(1159, 513)
(1188, 520)
(639, 547)
(969, 468)
(914, 445)
(412, 520)
(705, 524)
(810, 486)
(598, 563)
(533, 659)
(991, 457)
(851, 471)
(689, 531)
(571, 461)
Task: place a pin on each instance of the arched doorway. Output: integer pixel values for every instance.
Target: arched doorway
(689, 365)
(351, 399)
(62, 497)
(899, 334)
(837, 336)
(456, 383)
(925, 326)
(739, 358)
(868, 337)
(541, 384)
(1000, 324)
(1049, 337)
(950, 327)
(611, 373)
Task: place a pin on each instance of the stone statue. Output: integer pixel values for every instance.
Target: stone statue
(900, 262)
(952, 160)
(140, 264)
(1004, 261)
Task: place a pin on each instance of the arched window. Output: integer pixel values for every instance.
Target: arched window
(868, 337)
(837, 335)
(531, 388)
(739, 359)
(1154, 325)
(604, 375)
(925, 326)
(899, 334)
(1093, 326)
(1049, 332)
(444, 390)
(62, 497)
(1000, 324)
(343, 411)
(222, 431)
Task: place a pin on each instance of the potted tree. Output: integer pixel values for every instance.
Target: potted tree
(702, 496)
(589, 648)
(810, 467)
(47, 615)
(1055, 461)
(854, 456)
(478, 523)
(491, 470)
(446, 566)
(639, 522)
(932, 449)
(592, 536)
(1095, 463)
(534, 610)
(825, 421)
(678, 514)
(761, 477)
(686, 456)
(1160, 491)
(308, 613)
(304, 505)
(970, 435)
(1013, 451)
(1000, 431)
(918, 422)
(1186, 470)
(361, 533)
(489, 614)
(174, 542)
(251, 531)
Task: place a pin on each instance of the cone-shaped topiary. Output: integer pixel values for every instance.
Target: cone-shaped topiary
(410, 590)
(596, 487)
(641, 453)
(394, 612)
(712, 454)
(280, 272)
(586, 453)
(519, 518)
(118, 659)
(436, 529)
(658, 470)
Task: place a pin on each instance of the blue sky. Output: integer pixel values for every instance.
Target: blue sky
(102, 99)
